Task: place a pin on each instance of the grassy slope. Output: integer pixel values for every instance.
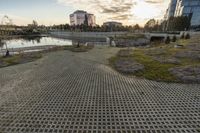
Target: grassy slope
(24, 58)
(19, 59)
(154, 70)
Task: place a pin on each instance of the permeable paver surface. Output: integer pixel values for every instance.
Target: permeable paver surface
(68, 92)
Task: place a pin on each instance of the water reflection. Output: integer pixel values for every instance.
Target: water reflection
(32, 38)
(45, 41)
(34, 41)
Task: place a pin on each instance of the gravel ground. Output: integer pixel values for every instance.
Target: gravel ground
(78, 92)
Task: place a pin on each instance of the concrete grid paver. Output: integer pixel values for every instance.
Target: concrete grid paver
(79, 93)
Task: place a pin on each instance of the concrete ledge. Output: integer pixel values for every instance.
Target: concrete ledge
(87, 34)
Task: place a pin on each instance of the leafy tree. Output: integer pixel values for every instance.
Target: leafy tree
(136, 27)
(180, 23)
(86, 20)
(149, 26)
(85, 28)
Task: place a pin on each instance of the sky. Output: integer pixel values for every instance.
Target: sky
(49, 12)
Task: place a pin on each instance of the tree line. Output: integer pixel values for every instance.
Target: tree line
(180, 23)
(97, 28)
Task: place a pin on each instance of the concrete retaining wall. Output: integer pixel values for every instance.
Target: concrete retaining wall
(86, 34)
(132, 43)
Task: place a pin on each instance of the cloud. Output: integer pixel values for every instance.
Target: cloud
(116, 9)
(104, 9)
(125, 11)
(154, 1)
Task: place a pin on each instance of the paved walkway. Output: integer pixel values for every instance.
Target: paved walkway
(78, 93)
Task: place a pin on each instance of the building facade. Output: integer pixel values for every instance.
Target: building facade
(80, 17)
(112, 24)
(189, 8)
(171, 10)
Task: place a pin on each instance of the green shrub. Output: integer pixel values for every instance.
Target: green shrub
(182, 36)
(167, 40)
(187, 36)
(174, 39)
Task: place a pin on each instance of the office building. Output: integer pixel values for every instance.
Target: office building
(112, 24)
(80, 17)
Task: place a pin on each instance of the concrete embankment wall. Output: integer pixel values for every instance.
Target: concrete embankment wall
(86, 34)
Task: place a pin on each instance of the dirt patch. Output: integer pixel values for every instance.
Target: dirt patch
(194, 47)
(187, 74)
(188, 54)
(131, 43)
(166, 60)
(125, 53)
(128, 66)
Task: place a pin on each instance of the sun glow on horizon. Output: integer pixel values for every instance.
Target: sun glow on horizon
(145, 11)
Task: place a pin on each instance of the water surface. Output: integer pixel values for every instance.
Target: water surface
(36, 41)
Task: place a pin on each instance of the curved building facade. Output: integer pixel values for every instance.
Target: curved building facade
(189, 8)
(185, 8)
(172, 7)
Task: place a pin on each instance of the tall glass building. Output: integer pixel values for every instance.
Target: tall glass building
(186, 8)
(172, 7)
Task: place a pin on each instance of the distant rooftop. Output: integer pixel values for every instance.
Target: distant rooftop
(112, 22)
(80, 11)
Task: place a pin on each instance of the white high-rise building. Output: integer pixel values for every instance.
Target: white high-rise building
(80, 17)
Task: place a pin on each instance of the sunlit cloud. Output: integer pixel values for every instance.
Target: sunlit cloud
(129, 12)
(154, 1)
